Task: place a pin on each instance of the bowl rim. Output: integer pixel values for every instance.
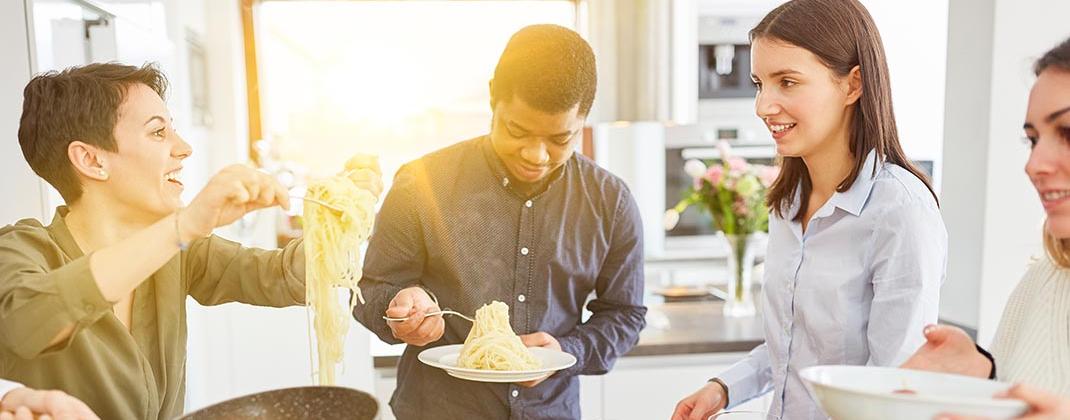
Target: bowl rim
(1009, 403)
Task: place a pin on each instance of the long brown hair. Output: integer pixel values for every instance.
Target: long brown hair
(841, 33)
(1059, 58)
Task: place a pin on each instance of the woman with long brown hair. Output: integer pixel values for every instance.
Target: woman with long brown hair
(857, 247)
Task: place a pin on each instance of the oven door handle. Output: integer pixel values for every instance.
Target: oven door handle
(745, 152)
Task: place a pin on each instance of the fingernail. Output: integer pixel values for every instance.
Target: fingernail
(928, 330)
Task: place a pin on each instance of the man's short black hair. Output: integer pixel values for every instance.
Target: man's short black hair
(549, 67)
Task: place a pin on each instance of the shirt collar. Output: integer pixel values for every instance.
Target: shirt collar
(854, 199)
(62, 234)
(506, 180)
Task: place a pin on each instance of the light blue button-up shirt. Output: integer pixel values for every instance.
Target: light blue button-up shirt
(856, 288)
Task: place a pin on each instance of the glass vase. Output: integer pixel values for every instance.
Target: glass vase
(742, 249)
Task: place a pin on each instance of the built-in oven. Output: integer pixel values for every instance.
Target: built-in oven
(724, 55)
(695, 232)
(650, 156)
(695, 228)
(695, 223)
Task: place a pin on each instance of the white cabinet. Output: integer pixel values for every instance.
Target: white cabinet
(649, 387)
(590, 393)
(645, 387)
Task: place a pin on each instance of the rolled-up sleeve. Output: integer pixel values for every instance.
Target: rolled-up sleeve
(909, 254)
(618, 313)
(36, 303)
(219, 271)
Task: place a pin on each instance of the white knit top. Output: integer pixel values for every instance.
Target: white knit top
(1032, 344)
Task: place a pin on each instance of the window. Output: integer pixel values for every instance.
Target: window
(394, 78)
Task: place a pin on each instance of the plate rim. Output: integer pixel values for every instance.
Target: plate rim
(501, 379)
(426, 358)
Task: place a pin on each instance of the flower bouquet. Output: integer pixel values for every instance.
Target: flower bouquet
(733, 192)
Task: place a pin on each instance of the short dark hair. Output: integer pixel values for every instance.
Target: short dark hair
(78, 103)
(550, 67)
(1056, 57)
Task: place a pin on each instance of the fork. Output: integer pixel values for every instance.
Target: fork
(446, 311)
(329, 206)
(322, 203)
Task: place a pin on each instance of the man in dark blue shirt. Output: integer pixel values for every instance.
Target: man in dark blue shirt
(514, 216)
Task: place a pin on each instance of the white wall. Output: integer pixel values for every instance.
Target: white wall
(992, 212)
(914, 34)
(21, 189)
(969, 74)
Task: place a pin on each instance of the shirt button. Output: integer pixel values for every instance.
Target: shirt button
(527, 204)
(521, 298)
(516, 393)
(524, 251)
(505, 182)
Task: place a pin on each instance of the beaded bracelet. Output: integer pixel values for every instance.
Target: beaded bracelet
(178, 235)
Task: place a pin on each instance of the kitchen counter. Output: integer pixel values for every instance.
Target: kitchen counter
(681, 328)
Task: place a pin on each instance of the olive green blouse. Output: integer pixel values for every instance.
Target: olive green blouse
(140, 373)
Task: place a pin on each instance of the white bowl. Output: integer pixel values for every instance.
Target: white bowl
(865, 392)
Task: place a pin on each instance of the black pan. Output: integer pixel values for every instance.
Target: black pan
(310, 402)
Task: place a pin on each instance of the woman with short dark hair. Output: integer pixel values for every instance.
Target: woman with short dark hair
(94, 304)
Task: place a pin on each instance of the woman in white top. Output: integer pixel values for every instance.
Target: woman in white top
(857, 247)
(20, 403)
(1032, 343)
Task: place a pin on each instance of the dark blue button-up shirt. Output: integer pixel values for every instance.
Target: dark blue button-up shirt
(457, 224)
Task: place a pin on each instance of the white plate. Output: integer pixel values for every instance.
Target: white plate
(866, 392)
(445, 358)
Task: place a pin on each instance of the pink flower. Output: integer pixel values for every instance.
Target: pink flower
(768, 174)
(739, 207)
(736, 166)
(714, 174)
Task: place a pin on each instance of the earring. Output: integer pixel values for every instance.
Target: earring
(102, 173)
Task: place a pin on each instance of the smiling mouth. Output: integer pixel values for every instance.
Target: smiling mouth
(1053, 196)
(780, 128)
(174, 176)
